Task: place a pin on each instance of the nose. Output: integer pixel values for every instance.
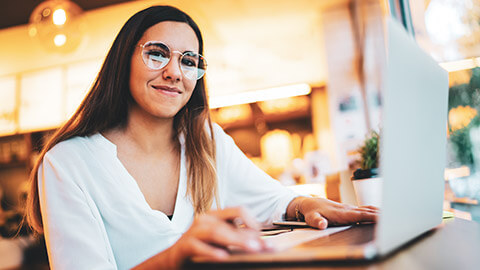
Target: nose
(172, 70)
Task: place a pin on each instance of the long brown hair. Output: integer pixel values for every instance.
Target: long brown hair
(106, 107)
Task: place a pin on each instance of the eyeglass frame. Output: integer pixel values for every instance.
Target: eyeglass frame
(170, 58)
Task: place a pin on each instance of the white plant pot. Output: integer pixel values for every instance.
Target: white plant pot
(368, 191)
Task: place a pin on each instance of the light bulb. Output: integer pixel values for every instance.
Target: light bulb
(59, 17)
(56, 24)
(59, 40)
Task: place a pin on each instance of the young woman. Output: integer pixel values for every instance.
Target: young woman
(131, 178)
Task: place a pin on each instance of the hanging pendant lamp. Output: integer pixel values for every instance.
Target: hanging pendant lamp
(57, 25)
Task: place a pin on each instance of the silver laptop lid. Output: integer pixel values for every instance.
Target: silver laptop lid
(413, 143)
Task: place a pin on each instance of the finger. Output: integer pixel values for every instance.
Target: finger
(238, 215)
(267, 245)
(316, 220)
(369, 207)
(363, 216)
(370, 210)
(222, 233)
(199, 248)
(367, 216)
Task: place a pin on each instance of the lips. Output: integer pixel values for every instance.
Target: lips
(167, 89)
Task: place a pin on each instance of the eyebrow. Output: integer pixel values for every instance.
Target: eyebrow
(189, 51)
(169, 46)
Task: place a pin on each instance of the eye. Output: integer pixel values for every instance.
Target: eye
(156, 51)
(157, 55)
(188, 63)
(189, 60)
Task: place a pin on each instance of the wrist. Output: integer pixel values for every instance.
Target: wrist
(300, 208)
(294, 210)
(298, 213)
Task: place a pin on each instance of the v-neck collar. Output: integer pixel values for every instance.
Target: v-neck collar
(183, 210)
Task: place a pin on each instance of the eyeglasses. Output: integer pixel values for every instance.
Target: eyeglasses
(156, 55)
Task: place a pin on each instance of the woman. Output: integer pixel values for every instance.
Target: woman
(130, 179)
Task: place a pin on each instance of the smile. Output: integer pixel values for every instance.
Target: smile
(170, 91)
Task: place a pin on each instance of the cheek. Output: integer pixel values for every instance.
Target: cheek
(189, 85)
(139, 77)
(189, 88)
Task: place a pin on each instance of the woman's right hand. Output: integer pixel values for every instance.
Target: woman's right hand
(209, 236)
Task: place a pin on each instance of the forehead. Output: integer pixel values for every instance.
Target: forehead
(177, 35)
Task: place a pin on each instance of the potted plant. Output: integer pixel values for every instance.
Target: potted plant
(366, 181)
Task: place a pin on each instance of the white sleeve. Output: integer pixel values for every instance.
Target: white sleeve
(247, 185)
(74, 233)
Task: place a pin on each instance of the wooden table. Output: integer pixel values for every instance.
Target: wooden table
(455, 244)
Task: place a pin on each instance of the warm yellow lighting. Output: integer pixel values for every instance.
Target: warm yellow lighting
(461, 64)
(32, 31)
(459, 117)
(284, 105)
(7, 105)
(42, 104)
(277, 149)
(56, 25)
(260, 95)
(60, 40)
(314, 190)
(46, 12)
(309, 143)
(232, 114)
(59, 17)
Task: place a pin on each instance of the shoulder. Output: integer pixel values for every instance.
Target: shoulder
(67, 147)
(74, 150)
(78, 159)
(221, 138)
(63, 161)
(217, 130)
(218, 133)
(226, 147)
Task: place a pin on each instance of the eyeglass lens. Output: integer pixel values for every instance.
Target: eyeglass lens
(157, 55)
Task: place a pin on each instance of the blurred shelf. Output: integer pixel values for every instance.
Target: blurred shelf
(280, 117)
(12, 164)
(269, 113)
(302, 116)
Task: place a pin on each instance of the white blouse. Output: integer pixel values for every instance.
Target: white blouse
(96, 217)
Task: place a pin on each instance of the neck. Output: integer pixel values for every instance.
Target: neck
(148, 133)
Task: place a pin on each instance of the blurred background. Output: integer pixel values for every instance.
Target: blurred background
(297, 84)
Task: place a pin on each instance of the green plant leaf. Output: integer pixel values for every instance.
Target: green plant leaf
(369, 151)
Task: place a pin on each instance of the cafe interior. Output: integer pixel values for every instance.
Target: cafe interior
(294, 83)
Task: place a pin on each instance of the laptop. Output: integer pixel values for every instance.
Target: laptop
(413, 154)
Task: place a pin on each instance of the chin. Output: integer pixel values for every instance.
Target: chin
(165, 114)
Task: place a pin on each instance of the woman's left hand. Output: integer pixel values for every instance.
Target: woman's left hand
(320, 212)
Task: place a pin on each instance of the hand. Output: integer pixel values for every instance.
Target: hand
(209, 236)
(320, 212)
